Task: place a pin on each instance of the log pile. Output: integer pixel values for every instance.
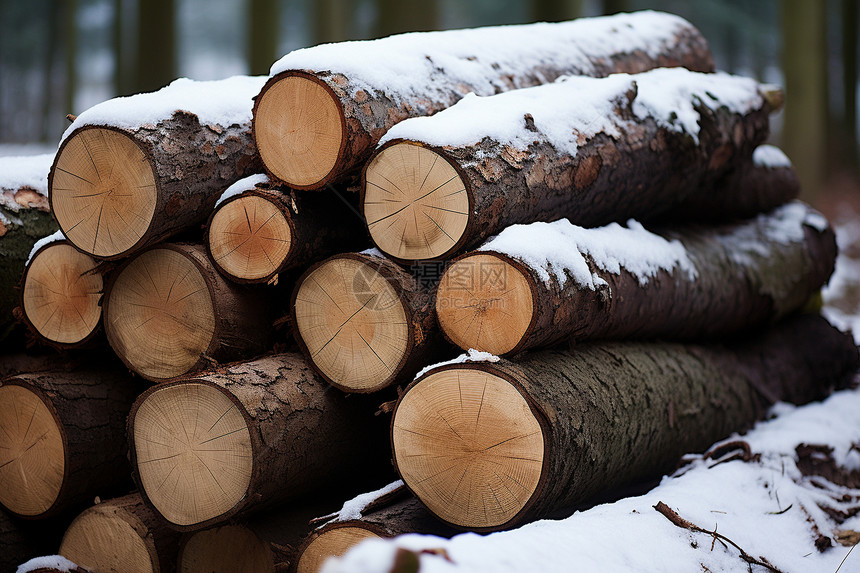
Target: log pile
(622, 235)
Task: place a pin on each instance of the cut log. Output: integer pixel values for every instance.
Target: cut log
(61, 295)
(363, 322)
(324, 108)
(121, 534)
(168, 312)
(132, 171)
(24, 219)
(22, 540)
(259, 230)
(592, 150)
(248, 436)
(489, 445)
(536, 284)
(63, 438)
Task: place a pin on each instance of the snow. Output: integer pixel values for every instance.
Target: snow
(471, 355)
(559, 249)
(481, 57)
(770, 156)
(840, 296)
(57, 562)
(373, 252)
(52, 238)
(241, 186)
(218, 102)
(24, 172)
(354, 508)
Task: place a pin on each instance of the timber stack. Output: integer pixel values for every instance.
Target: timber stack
(254, 282)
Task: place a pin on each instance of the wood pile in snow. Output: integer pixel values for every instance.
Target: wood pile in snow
(589, 200)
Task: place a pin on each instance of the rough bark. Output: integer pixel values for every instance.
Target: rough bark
(22, 540)
(305, 437)
(616, 412)
(90, 406)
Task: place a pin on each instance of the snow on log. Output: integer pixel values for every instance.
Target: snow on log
(61, 293)
(363, 322)
(260, 433)
(488, 446)
(121, 534)
(22, 540)
(24, 218)
(536, 284)
(592, 150)
(168, 313)
(324, 108)
(50, 564)
(63, 437)
(134, 170)
(260, 229)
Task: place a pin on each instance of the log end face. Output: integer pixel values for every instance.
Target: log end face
(32, 453)
(104, 538)
(193, 452)
(61, 296)
(299, 129)
(468, 445)
(249, 238)
(485, 302)
(103, 191)
(415, 202)
(352, 323)
(331, 543)
(226, 549)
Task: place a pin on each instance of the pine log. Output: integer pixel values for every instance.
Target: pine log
(121, 534)
(592, 150)
(536, 284)
(248, 436)
(24, 219)
(490, 445)
(61, 293)
(260, 229)
(16, 363)
(169, 313)
(133, 171)
(318, 117)
(63, 438)
(22, 540)
(363, 322)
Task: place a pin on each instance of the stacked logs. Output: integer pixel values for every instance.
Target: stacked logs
(587, 199)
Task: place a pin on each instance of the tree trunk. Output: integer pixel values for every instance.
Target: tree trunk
(155, 56)
(363, 322)
(22, 540)
(268, 229)
(123, 179)
(64, 438)
(540, 155)
(319, 116)
(680, 283)
(263, 37)
(121, 534)
(169, 313)
(270, 431)
(491, 445)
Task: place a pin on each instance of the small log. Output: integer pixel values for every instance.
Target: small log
(63, 438)
(133, 171)
(248, 436)
(168, 313)
(318, 117)
(260, 230)
(22, 540)
(121, 534)
(61, 293)
(591, 150)
(537, 284)
(363, 322)
(490, 445)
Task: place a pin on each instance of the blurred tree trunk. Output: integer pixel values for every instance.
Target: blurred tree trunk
(70, 17)
(263, 37)
(849, 80)
(156, 44)
(123, 73)
(804, 60)
(331, 19)
(396, 16)
(555, 10)
(51, 51)
(616, 6)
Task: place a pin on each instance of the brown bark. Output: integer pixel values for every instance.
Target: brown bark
(22, 540)
(90, 406)
(305, 437)
(597, 433)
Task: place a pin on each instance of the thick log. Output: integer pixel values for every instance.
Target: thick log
(248, 436)
(169, 313)
(23, 540)
(133, 171)
(591, 150)
(363, 322)
(260, 229)
(489, 445)
(121, 534)
(63, 438)
(536, 284)
(318, 117)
